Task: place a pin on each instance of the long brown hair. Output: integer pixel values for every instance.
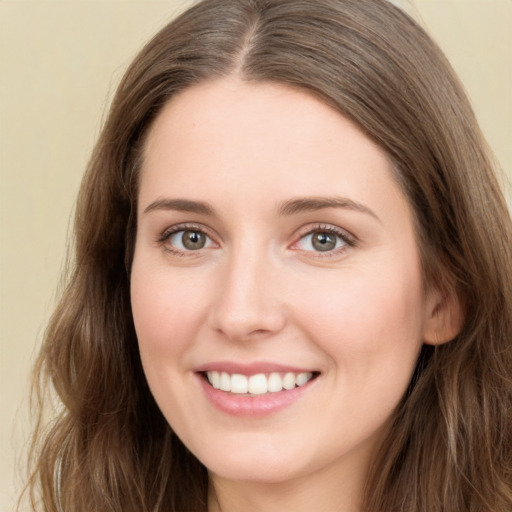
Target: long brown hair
(450, 446)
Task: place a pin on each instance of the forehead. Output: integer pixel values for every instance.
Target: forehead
(236, 119)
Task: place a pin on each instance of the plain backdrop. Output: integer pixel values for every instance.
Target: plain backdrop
(59, 64)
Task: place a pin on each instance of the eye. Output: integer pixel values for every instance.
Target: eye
(323, 240)
(189, 240)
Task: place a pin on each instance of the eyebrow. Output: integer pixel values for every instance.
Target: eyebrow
(181, 205)
(287, 208)
(311, 204)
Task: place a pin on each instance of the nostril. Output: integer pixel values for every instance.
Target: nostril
(258, 332)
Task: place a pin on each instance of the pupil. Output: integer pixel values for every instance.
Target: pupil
(324, 241)
(193, 240)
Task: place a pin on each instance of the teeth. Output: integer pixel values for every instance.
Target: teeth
(257, 384)
(238, 383)
(225, 382)
(289, 381)
(302, 378)
(214, 379)
(275, 383)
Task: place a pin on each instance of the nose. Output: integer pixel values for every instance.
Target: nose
(248, 303)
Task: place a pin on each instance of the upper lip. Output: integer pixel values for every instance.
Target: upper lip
(250, 368)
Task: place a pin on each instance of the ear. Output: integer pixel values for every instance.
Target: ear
(444, 317)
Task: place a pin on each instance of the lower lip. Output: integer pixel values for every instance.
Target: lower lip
(252, 406)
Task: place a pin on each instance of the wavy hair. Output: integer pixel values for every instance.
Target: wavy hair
(450, 446)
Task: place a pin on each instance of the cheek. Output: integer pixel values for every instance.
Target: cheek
(165, 313)
(166, 317)
(371, 331)
(371, 320)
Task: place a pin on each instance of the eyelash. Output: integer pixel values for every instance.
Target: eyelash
(163, 239)
(348, 239)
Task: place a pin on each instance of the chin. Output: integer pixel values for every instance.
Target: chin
(263, 464)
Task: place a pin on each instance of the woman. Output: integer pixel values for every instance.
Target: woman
(292, 284)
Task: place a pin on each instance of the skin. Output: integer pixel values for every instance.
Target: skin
(259, 290)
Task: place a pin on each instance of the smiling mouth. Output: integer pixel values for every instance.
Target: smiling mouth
(258, 384)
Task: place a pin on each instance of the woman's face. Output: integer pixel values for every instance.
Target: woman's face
(276, 284)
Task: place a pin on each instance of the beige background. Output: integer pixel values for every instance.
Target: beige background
(59, 64)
